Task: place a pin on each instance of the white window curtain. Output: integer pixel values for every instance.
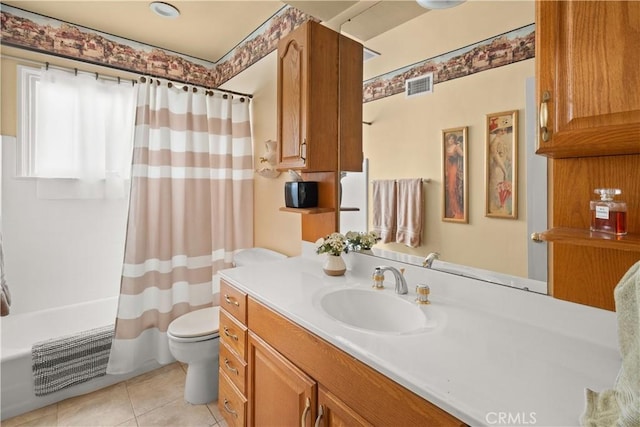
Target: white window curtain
(84, 132)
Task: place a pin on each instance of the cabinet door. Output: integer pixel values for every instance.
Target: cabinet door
(280, 394)
(333, 412)
(588, 63)
(292, 93)
(308, 86)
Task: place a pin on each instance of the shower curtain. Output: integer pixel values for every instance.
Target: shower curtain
(191, 207)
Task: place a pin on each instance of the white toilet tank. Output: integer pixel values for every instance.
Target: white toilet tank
(256, 255)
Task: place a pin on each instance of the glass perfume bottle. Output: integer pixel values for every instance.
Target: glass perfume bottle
(607, 215)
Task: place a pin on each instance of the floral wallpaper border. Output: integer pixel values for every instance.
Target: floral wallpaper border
(503, 49)
(24, 29)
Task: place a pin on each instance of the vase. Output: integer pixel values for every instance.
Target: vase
(334, 265)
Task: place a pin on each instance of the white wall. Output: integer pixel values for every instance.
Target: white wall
(58, 252)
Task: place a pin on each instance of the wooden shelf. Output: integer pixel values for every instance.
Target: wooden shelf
(307, 211)
(580, 237)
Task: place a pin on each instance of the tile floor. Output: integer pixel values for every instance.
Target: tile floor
(152, 399)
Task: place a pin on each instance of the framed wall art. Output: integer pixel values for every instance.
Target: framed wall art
(501, 165)
(454, 175)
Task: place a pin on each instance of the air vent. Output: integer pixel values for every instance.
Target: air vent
(419, 85)
(369, 54)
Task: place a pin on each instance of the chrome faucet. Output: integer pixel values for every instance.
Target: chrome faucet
(430, 258)
(401, 283)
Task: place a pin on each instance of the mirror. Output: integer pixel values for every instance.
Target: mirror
(404, 140)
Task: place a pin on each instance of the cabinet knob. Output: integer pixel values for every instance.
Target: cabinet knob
(537, 237)
(544, 116)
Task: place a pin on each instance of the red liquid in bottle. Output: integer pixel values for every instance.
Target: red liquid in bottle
(615, 224)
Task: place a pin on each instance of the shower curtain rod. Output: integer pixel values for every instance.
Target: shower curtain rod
(105, 77)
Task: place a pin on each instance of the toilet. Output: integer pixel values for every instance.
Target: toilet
(194, 338)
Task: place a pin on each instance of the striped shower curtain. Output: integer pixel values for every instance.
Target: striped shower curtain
(191, 208)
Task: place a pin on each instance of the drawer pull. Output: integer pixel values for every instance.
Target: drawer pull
(229, 334)
(228, 409)
(307, 408)
(229, 367)
(231, 301)
(320, 414)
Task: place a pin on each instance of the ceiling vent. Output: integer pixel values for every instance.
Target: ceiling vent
(418, 85)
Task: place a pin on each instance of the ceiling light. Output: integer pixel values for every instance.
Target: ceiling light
(439, 4)
(164, 9)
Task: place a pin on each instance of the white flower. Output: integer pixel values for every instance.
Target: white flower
(334, 244)
(361, 240)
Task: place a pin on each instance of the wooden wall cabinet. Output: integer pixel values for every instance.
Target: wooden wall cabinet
(319, 100)
(296, 378)
(320, 116)
(588, 87)
(588, 66)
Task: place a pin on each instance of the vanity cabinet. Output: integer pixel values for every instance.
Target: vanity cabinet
(279, 392)
(296, 378)
(333, 412)
(588, 88)
(319, 93)
(232, 372)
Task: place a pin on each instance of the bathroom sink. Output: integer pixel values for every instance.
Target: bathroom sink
(378, 311)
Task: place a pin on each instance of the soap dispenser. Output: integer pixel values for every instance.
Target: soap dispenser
(608, 215)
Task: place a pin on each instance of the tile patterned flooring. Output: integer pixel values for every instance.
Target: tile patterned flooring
(152, 399)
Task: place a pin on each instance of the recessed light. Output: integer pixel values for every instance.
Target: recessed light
(164, 9)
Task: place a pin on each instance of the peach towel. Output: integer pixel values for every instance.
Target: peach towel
(410, 212)
(384, 209)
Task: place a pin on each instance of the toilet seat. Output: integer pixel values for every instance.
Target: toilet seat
(199, 325)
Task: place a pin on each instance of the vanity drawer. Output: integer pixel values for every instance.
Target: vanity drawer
(231, 403)
(235, 368)
(233, 334)
(234, 301)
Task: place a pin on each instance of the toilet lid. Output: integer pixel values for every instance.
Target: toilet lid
(196, 323)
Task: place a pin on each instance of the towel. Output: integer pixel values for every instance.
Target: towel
(410, 212)
(621, 406)
(384, 209)
(5, 295)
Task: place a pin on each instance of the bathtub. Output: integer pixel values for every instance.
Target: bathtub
(21, 331)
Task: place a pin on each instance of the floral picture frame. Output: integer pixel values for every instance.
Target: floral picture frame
(455, 189)
(501, 165)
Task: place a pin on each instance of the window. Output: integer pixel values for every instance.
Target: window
(73, 126)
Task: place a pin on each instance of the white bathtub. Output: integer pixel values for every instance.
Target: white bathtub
(21, 331)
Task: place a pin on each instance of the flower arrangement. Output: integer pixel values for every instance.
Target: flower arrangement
(359, 240)
(333, 244)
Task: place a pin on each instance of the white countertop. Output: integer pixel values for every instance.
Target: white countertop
(499, 356)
